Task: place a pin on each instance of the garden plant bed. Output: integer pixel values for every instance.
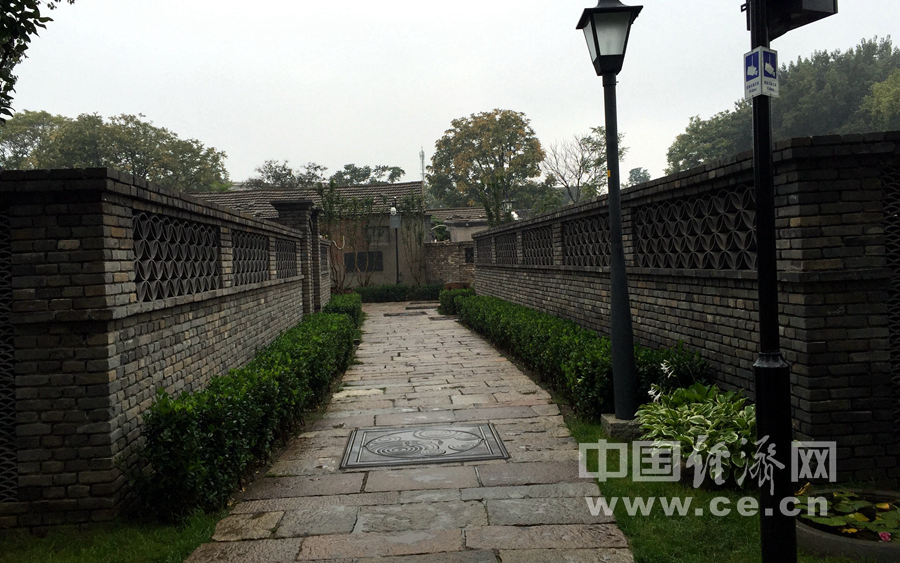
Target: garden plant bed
(828, 537)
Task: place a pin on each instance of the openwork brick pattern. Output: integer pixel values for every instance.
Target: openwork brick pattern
(251, 257)
(891, 184)
(285, 258)
(174, 257)
(715, 231)
(506, 249)
(586, 241)
(484, 251)
(537, 246)
(8, 465)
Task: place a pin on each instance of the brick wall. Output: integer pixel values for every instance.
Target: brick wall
(447, 262)
(691, 254)
(324, 272)
(116, 288)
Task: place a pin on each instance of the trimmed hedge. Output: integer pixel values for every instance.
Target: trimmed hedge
(398, 292)
(350, 305)
(201, 445)
(448, 300)
(574, 360)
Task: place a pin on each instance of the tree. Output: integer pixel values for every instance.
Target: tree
(353, 175)
(38, 140)
(24, 136)
(278, 174)
(882, 105)
(579, 165)
(19, 22)
(488, 157)
(826, 93)
(638, 176)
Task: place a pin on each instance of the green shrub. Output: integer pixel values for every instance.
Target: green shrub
(398, 292)
(200, 445)
(424, 292)
(574, 360)
(448, 299)
(699, 418)
(350, 305)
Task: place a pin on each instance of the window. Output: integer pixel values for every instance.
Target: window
(470, 254)
(364, 261)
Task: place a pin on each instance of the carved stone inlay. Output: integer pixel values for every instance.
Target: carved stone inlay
(174, 257)
(537, 246)
(586, 241)
(9, 470)
(251, 257)
(484, 251)
(715, 231)
(285, 258)
(376, 447)
(506, 249)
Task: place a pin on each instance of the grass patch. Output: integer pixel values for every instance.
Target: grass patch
(657, 538)
(118, 542)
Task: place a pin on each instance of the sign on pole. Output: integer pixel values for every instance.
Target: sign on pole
(761, 73)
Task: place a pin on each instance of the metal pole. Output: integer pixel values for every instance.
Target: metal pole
(778, 535)
(397, 253)
(621, 332)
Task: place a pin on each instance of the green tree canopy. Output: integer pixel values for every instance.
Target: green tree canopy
(279, 174)
(488, 157)
(19, 22)
(353, 175)
(828, 93)
(38, 140)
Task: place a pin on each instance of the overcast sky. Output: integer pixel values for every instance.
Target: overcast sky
(370, 82)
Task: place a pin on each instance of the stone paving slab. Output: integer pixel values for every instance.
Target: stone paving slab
(263, 551)
(414, 372)
(323, 520)
(529, 473)
(566, 556)
(537, 511)
(299, 503)
(421, 516)
(420, 478)
(239, 527)
(575, 536)
(284, 487)
(451, 557)
(381, 545)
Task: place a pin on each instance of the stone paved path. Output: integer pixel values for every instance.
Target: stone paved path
(417, 370)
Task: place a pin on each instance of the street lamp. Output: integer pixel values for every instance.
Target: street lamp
(395, 224)
(606, 29)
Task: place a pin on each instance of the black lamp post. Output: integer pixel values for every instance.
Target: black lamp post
(606, 29)
(768, 19)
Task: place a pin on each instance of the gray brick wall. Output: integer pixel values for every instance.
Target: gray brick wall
(690, 249)
(446, 262)
(90, 350)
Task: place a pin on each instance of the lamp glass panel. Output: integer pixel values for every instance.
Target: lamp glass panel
(589, 37)
(612, 32)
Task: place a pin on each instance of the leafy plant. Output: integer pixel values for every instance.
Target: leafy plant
(448, 299)
(349, 304)
(574, 360)
(199, 446)
(398, 292)
(864, 515)
(715, 430)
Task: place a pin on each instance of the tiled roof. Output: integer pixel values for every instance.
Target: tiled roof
(257, 202)
(459, 214)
